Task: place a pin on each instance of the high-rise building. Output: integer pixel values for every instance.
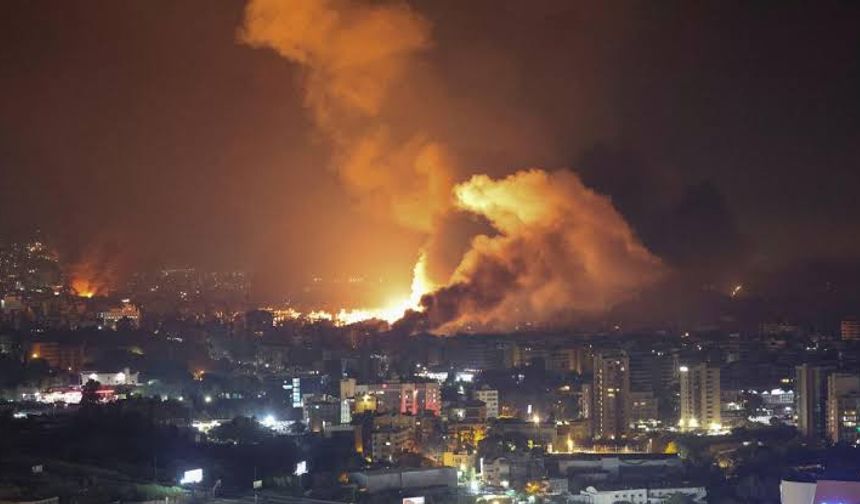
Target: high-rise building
(811, 400)
(846, 429)
(611, 412)
(843, 407)
(490, 397)
(850, 329)
(643, 407)
(700, 397)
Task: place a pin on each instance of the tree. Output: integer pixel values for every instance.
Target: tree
(241, 430)
(90, 393)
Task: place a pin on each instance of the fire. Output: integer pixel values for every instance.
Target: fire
(558, 249)
(394, 310)
(390, 312)
(84, 287)
(93, 274)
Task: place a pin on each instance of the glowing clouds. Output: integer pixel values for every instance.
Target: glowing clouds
(409, 184)
(561, 251)
(352, 54)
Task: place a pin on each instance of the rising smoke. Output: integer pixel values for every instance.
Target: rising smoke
(557, 249)
(561, 251)
(352, 55)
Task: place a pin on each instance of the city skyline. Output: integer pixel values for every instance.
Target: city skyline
(717, 177)
(429, 252)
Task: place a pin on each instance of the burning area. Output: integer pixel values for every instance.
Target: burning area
(556, 251)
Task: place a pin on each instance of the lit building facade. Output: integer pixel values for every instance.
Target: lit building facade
(850, 329)
(700, 398)
(405, 398)
(843, 406)
(490, 398)
(611, 412)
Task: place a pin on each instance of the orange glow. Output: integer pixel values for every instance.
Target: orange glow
(396, 308)
(390, 312)
(558, 249)
(84, 288)
(90, 277)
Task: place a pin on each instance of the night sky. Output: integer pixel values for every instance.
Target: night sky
(726, 133)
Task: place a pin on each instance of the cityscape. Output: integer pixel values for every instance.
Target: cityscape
(307, 252)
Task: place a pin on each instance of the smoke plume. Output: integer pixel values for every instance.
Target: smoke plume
(561, 251)
(94, 272)
(352, 55)
(557, 250)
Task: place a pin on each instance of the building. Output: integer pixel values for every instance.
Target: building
(112, 316)
(594, 467)
(465, 434)
(389, 441)
(406, 398)
(653, 370)
(850, 329)
(821, 491)
(469, 411)
(293, 386)
(846, 427)
(69, 357)
(643, 408)
(478, 352)
(347, 399)
(610, 494)
(811, 400)
(404, 480)
(111, 378)
(462, 460)
(560, 360)
(538, 432)
(843, 405)
(700, 398)
(490, 398)
(321, 412)
(611, 412)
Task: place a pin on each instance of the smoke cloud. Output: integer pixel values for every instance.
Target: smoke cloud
(561, 251)
(353, 55)
(556, 250)
(95, 271)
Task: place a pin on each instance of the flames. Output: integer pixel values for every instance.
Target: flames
(94, 268)
(396, 308)
(87, 280)
(390, 312)
(557, 249)
(82, 287)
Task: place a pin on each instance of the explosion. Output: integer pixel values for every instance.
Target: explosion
(559, 251)
(397, 308)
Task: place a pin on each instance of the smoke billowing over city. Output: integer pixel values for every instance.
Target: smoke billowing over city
(286, 250)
